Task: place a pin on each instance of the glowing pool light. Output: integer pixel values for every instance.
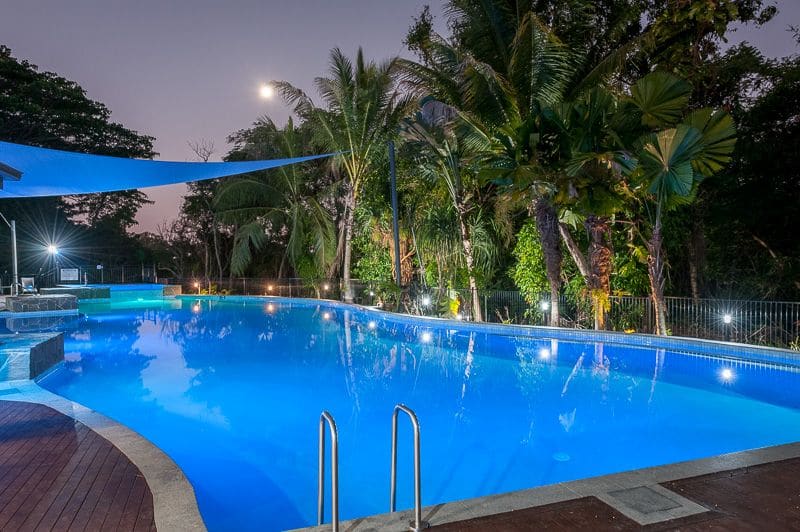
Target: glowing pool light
(727, 374)
(426, 337)
(372, 325)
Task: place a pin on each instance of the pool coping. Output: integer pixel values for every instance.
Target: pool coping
(174, 502)
(605, 487)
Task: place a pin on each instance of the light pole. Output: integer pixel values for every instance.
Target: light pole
(15, 266)
(395, 222)
(52, 249)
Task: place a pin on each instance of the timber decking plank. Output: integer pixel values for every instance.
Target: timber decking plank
(57, 474)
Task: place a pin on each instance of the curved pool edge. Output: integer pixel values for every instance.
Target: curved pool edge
(752, 352)
(604, 487)
(174, 502)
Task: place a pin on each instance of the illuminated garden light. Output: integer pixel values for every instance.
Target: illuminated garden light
(52, 249)
(326, 286)
(727, 319)
(269, 288)
(426, 301)
(459, 316)
(371, 293)
(544, 305)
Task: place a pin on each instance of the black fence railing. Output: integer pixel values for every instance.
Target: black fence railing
(772, 323)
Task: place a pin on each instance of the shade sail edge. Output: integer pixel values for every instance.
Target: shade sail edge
(48, 172)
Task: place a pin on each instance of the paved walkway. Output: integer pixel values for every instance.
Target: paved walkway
(57, 474)
(761, 497)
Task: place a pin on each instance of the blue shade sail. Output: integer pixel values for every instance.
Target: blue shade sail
(47, 172)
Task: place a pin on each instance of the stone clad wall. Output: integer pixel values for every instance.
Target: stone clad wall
(41, 303)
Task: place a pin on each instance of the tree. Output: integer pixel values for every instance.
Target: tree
(666, 165)
(279, 205)
(363, 107)
(44, 109)
(443, 160)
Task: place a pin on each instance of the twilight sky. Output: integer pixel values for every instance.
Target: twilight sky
(185, 70)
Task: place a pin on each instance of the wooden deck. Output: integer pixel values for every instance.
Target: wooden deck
(763, 497)
(57, 474)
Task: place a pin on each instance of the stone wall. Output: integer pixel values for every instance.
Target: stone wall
(41, 303)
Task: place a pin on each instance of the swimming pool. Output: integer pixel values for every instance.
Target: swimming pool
(232, 390)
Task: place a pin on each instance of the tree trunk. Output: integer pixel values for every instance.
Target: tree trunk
(574, 252)
(600, 265)
(348, 245)
(696, 248)
(655, 271)
(217, 252)
(466, 242)
(547, 225)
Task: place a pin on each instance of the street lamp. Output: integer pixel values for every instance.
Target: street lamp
(52, 250)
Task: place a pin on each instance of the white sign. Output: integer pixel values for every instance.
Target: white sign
(70, 274)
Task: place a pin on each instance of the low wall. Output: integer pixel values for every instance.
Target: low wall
(41, 303)
(81, 292)
(26, 356)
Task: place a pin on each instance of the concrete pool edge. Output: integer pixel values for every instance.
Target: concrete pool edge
(174, 502)
(606, 488)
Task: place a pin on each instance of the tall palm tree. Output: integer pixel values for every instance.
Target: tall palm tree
(277, 202)
(664, 153)
(443, 160)
(362, 109)
(506, 91)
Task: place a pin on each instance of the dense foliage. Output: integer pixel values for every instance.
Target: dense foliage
(578, 147)
(44, 109)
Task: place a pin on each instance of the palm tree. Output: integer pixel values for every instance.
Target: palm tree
(666, 163)
(278, 202)
(502, 81)
(362, 109)
(442, 159)
(590, 190)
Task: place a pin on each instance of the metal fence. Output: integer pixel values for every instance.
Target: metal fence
(772, 323)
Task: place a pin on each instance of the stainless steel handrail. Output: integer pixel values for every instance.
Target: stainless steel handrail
(323, 418)
(417, 524)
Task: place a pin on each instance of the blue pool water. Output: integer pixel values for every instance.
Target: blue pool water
(232, 390)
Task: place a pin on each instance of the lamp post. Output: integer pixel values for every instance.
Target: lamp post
(52, 249)
(15, 266)
(395, 222)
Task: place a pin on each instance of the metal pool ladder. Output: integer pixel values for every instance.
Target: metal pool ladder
(324, 418)
(417, 524)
